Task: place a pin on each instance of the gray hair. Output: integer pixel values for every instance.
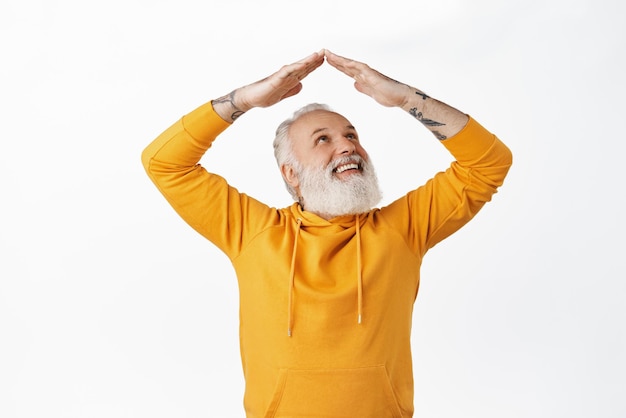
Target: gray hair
(283, 149)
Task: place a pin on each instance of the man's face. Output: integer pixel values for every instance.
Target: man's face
(333, 175)
(320, 138)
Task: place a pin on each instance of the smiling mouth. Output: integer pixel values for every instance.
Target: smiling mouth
(346, 167)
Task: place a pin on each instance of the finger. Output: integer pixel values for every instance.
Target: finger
(332, 56)
(347, 66)
(308, 64)
(313, 62)
(302, 68)
(310, 68)
(337, 60)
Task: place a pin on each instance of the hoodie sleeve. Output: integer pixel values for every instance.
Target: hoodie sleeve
(452, 198)
(204, 200)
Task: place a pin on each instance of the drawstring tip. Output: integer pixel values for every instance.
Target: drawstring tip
(289, 332)
(359, 320)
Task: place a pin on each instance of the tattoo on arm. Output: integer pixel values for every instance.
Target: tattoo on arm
(428, 122)
(424, 96)
(229, 99)
(236, 114)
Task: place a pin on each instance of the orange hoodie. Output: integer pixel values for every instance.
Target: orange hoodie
(325, 306)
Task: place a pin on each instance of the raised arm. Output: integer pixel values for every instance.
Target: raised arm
(441, 119)
(451, 198)
(203, 199)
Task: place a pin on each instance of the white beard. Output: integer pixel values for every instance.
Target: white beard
(325, 194)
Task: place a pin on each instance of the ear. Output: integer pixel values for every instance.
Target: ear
(290, 176)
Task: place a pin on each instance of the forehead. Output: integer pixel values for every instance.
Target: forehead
(310, 123)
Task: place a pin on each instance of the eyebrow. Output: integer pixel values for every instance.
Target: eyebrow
(323, 129)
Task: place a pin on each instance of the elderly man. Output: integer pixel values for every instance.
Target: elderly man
(327, 285)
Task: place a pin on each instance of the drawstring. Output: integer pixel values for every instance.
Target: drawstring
(359, 274)
(292, 275)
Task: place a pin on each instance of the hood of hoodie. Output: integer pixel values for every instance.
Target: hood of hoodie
(321, 226)
(310, 219)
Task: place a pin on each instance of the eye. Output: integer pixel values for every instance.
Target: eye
(322, 138)
(352, 137)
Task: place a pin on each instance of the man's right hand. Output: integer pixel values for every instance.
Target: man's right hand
(284, 83)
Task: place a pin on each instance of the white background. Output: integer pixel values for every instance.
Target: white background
(111, 306)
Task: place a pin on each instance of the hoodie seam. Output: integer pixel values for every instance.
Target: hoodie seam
(263, 230)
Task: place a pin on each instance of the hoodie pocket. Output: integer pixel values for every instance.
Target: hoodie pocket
(363, 392)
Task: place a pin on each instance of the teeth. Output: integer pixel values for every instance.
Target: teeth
(343, 168)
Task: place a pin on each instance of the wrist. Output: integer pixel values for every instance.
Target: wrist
(228, 108)
(416, 101)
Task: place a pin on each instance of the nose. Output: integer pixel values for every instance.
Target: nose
(346, 147)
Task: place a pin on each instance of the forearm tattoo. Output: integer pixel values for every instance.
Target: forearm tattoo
(428, 122)
(424, 96)
(230, 99)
